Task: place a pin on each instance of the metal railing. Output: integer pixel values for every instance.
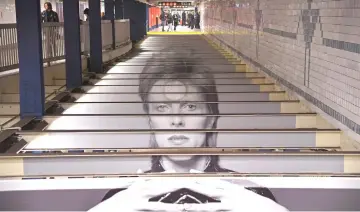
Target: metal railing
(53, 42)
(8, 47)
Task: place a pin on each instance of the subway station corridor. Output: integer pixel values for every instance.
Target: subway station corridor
(137, 119)
(184, 93)
(171, 98)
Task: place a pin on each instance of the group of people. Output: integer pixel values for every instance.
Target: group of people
(192, 20)
(168, 19)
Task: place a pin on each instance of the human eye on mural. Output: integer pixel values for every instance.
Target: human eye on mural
(189, 107)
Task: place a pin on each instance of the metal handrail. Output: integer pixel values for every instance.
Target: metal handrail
(53, 42)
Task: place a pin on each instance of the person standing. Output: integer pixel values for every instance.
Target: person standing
(197, 20)
(170, 21)
(189, 19)
(50, 33)
(86, 14)
(103, 17)
(49, 15)
(183, 17)
(163, 20)
(176, 18)
(192, 20)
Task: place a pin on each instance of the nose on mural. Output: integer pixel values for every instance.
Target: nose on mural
(177, 121)
(235, 140)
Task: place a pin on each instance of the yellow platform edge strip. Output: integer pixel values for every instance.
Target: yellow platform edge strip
(174, 33)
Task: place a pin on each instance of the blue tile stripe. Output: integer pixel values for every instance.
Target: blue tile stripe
(342, 45)
(280, 33)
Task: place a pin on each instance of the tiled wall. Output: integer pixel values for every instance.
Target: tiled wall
(311, 46)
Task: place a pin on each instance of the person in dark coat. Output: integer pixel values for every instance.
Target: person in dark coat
(86, 13)
(176, 18)
(49, 15)
(189, 20)
(169, 20)
(192, 20)
(197, 20)
(51, 34)
(163, 20)
(183, 18)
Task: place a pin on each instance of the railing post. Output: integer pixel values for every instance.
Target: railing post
(72, 44)
(109, 15)
(119, 9)
(31, 70)
(95, 36)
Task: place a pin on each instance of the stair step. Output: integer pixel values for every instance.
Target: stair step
(219, 88)
(224, 107)
(52, 140)
(130, 163)
(200, 62)
(128, 122)
(217, 75)
(123, 97)
(218, 59)
(259, 80)
(137, 68)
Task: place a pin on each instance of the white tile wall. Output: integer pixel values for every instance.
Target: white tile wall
(333, 70)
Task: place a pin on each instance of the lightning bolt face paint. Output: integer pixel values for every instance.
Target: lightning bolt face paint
(174, 97)
(175, 90)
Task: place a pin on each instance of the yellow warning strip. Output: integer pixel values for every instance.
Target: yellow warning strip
(174, 33)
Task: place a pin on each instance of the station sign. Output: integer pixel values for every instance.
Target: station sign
(175, 4)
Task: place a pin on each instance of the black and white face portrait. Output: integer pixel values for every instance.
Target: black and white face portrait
(176, 105)
(177, 96)
(179, 104)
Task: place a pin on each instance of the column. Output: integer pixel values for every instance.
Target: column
(109, 15)
(119, 9)
(147, 19)
(72, 44)
(136, 12)
(31, 70)
(95, 36)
